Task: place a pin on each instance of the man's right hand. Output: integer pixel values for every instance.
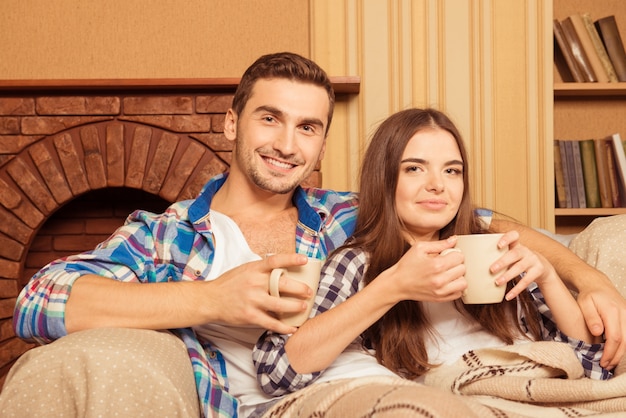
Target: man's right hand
(241, 295)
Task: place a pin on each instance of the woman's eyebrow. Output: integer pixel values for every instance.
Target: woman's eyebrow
(414, 160)
(423, 161)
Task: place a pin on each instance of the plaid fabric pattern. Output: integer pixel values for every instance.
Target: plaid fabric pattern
(341, 278)
(588, 354)
(173, 246)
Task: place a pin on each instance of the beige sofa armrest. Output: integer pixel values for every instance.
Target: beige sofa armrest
(602, 244)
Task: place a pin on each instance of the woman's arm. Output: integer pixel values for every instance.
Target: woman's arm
(342, 313)
(565, 311)
(286, 363)
(602, 306)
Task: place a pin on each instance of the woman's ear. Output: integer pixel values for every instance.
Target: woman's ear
(230, 125)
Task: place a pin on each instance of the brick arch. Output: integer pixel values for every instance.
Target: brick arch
(58, 168)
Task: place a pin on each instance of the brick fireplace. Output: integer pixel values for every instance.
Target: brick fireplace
(76, 157)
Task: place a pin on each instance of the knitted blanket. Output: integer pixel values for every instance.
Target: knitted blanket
(535, 379)
(539, 379)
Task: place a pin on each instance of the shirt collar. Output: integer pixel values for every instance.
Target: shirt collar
(199, 209)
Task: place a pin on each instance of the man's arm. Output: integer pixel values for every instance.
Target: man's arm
(238, 298)
(56, 302)
(602, 305)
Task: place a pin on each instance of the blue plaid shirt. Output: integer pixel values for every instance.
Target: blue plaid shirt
(174, 246)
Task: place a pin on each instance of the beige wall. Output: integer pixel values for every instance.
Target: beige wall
(488, 63)
(67, 39)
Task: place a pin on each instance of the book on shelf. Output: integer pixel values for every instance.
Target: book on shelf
(570, 170)
(604, 184)
(568, 174)
(578, 172)
(559, 180)
(575, 45)
(620, 163)
(563, 57)
(610, 35)
(613, 176)
(599, 47)
(588, 47)
(590, 173)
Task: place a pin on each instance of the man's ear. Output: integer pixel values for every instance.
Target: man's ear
(230, 125)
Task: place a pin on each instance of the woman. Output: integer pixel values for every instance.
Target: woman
(403, 294)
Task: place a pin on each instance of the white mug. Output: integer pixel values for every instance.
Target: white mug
(308, 274)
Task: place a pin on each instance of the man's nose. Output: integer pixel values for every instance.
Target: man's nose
(285, 142)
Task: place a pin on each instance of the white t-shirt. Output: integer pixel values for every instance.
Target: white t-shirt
(236, 343)
(455, 334)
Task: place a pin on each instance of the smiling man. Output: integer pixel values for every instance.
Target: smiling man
(200, 269)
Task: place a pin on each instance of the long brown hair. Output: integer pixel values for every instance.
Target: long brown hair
(398, 337)
(285, 65)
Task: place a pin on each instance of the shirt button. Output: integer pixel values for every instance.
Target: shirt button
(198, 273)
(212, 354)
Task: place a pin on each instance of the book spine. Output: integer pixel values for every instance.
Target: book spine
(620, 160)
(590, 173)
(571, 173)
(566, 52)
(577, 50)
(578, 171)
(599, 47)
(566, 177)
(603, 175)
(612, 167)
(609, 33)
(589, 49)
(559, 180)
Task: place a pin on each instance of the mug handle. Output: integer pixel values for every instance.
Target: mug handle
(274, 278)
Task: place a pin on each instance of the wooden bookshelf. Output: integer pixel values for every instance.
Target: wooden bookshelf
(588, 110)
(581, 90)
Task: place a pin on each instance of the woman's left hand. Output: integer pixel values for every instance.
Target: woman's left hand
(520, 262)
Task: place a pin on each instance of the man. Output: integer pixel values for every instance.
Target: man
(201, 270)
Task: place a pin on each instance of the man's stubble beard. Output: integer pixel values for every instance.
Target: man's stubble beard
(253, 172)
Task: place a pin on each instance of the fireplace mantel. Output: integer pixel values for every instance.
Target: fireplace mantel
(341, 84)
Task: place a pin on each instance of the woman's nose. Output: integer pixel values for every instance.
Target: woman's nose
(435, 183)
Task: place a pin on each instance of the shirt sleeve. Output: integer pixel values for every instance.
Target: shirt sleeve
(588, 354)
(340, 279)
(129, 255)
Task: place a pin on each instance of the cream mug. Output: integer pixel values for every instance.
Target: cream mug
(481, 251)
(308, 274)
